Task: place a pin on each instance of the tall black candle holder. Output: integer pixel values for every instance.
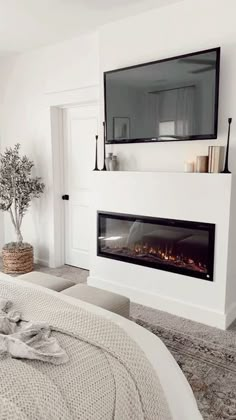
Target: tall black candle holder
(226, 167)
(96, 155)
(104, 146)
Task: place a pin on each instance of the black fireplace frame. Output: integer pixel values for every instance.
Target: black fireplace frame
(209, 227)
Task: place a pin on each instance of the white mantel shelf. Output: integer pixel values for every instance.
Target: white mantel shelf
(200, 174)
(200, 197)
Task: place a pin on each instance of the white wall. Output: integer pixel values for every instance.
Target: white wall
(25, 79)
(183, 27)
(4, 73)
(1, 214)
(191, 25)
(193, 197)
(230, 303)
(26, 119)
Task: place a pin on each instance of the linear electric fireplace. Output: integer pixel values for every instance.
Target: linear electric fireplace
(178, 246)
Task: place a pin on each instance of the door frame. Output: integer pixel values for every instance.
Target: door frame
(56, 102)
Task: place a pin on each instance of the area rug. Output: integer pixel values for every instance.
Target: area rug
(209, 368)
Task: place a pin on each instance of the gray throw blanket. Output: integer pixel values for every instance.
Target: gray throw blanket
(107, 377)
(27, 340)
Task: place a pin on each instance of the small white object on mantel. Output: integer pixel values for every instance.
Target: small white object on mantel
(188, 166)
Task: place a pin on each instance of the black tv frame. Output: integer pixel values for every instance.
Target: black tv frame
(156, 139)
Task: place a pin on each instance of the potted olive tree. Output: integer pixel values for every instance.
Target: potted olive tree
(17, 189)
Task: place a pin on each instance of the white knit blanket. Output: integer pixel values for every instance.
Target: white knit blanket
(107, 375)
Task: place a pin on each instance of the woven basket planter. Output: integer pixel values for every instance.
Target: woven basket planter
(18, 260)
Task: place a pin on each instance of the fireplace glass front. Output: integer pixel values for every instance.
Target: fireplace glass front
(166, 244)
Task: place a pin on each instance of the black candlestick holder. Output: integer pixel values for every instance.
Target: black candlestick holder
(104, 146)
(226, 167)
(96, 155)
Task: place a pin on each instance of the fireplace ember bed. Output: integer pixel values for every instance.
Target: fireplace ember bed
(178, 246)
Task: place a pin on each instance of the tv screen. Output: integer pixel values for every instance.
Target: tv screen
(173, 99)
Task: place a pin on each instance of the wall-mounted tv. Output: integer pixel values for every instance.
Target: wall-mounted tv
(166, 100)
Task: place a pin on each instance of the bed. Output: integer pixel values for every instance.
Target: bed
(151, 385)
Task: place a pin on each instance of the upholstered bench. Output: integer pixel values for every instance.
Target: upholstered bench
(99, 297)
(107, 300)
(47, 280)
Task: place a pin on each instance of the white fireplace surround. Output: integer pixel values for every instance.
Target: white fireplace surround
(194, 197)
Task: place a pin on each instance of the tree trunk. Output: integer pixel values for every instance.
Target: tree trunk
(19, 236)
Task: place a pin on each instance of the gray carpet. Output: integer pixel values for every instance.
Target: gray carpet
(209, 368)
(71, 273)
(206, 355)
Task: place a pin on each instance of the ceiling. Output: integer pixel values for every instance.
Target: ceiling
(28, 24)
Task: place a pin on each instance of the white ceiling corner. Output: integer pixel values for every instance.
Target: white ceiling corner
(29, 24)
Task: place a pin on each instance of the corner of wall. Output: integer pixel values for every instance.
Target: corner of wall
(230, 301)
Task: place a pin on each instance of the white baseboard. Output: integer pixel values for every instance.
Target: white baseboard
(165, 303)
(230, 315)
(44, 263)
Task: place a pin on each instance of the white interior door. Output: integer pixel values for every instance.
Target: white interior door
(80, 128)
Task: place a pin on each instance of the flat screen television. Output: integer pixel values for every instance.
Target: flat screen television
(166, 100)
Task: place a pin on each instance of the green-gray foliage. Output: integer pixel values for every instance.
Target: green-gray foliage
(19, 245)
(17, 186)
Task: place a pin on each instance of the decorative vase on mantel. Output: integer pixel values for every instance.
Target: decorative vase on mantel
(17, 189)
(108, 160)
(113, 163)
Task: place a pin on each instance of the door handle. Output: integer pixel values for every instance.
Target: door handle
(65, 197)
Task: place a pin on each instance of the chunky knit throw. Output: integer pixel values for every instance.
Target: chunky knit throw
(107, 376)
